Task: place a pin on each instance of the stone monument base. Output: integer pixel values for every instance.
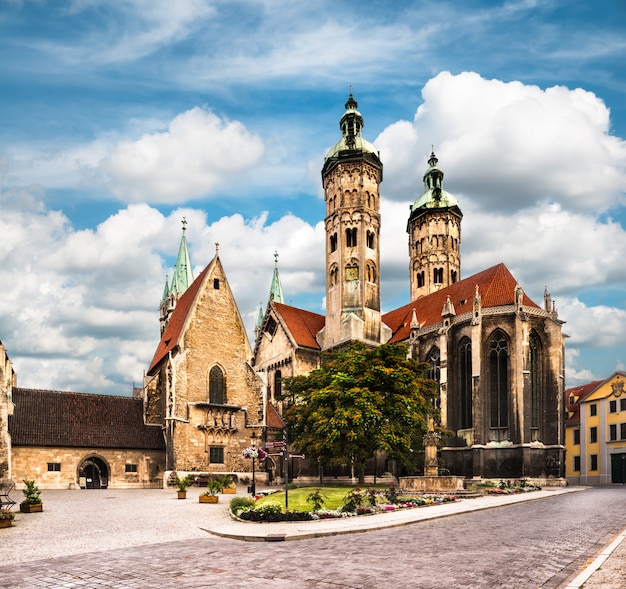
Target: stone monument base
(434, 484)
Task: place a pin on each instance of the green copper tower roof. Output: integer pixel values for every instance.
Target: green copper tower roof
(183, 276)
(276, 290)
(259, 319)
(351, 125)
(434, 197)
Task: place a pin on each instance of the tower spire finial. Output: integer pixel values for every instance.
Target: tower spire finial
(276, 290)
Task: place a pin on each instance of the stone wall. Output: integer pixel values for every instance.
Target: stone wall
(32, 463)
(7, 381)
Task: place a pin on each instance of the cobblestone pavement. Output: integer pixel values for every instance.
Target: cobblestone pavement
(136, 539)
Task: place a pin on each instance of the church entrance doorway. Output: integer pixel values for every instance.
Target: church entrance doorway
(618, 468)
(93, 473)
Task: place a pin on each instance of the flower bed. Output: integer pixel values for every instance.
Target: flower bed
(272, 512)
(508, 488)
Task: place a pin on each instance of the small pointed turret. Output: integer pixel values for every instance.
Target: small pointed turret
(166, 289)
(182, 279)
(183, 276)
(276, 290)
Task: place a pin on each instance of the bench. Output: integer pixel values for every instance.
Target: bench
(6, 486)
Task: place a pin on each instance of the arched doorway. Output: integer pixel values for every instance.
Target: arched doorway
(93, 473)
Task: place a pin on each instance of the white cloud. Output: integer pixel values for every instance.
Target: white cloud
(80, 308)
(128, 30)
(508, 146)
(197, 153)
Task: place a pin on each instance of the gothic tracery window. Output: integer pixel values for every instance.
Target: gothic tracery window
(465, 378)
(499, 380)
(534, 365)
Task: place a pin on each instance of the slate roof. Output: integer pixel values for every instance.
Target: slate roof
(303, 325)
(80, 420)
(172, 334)
(496, 286)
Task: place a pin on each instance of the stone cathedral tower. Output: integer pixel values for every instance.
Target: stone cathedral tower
(434, 230)
(351, 177)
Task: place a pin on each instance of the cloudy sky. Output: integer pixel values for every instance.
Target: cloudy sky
(118, 119)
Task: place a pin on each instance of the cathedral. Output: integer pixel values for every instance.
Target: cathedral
(498, 356)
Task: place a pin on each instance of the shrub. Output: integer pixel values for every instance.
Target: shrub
(316, 499)
(352, 500)
(240, 503)
(391, 493)
(31, 492)
(268, 512)
(372, 496)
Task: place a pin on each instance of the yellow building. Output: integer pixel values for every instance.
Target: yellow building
(595, 432)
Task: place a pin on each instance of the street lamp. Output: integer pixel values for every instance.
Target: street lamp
(253, 439)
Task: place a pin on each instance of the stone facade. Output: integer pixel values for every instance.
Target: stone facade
(351, 177)
(434, 229)
(125, 469)
(200, 387)
(497, 356)
(8, 380)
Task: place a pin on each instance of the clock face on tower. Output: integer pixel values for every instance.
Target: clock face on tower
(352, 273)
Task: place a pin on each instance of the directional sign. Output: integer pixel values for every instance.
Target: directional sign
(275, 444)
(296, 455)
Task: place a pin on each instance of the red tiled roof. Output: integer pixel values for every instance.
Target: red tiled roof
(273, 419)
(496, 287)
(80, 420)
(580, 392)
(303, 325)
(173, 331)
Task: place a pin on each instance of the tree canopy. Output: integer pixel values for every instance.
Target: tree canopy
(359, 401)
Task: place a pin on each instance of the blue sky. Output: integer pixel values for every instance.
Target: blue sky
(119, 118)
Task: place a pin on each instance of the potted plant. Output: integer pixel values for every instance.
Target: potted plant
(32, 501)
(210, 495)
(6, 518)
(182, 483)
(228, 485)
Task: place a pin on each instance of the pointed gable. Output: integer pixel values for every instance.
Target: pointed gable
(302, 325)
(175, 328)
(496, 286)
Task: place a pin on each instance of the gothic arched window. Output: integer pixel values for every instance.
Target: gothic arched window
(465, 382)
(278, 385)
(420, 279)
(217, 386)
(499, 380)
(370, 239)
(438, 275)
(534, 366)
(434, 372)
(434, 360)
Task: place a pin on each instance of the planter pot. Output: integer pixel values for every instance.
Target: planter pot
(182, 494)
(31, 507)
(209, 498)
(6, 523)
(229, 490)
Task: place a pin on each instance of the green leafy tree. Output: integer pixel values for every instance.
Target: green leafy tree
(359, 401)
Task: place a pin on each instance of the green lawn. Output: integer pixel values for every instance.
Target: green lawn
(333, 497)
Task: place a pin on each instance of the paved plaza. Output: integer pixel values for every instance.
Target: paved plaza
(149, 538)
